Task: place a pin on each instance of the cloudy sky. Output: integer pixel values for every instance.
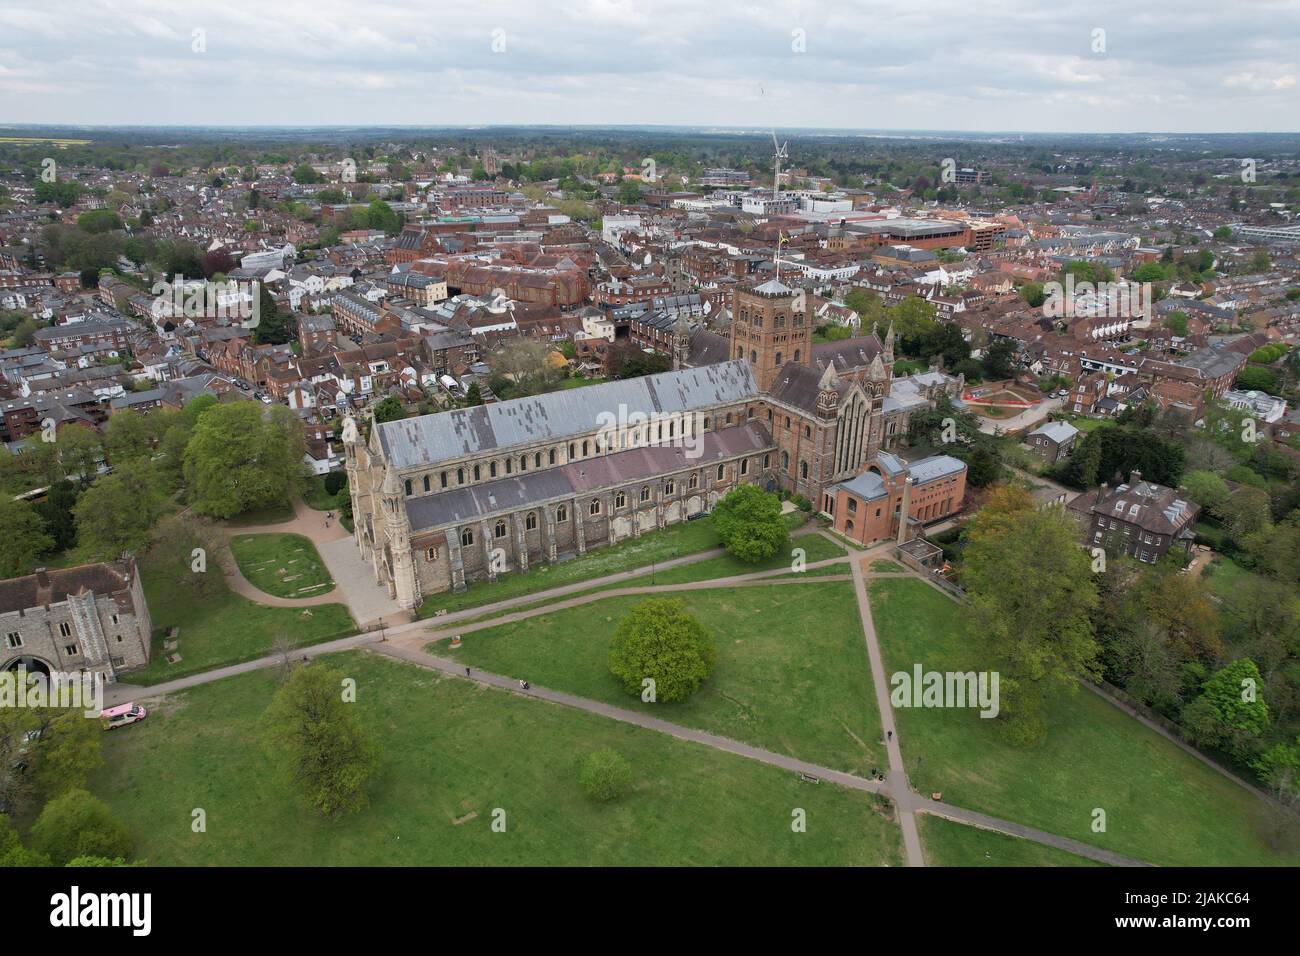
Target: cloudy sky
(1029, 65)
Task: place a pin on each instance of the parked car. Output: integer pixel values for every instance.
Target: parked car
(121, 715)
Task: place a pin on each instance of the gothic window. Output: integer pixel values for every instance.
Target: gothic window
(537, 459)
(510, 465)
(753, 356)
(500, 530)
(853, 506)
(693, 482)
(530, 521)
(670, 488)
(767, 460)
(14, 639)
(728, 418)
(561, 514)
(722, 472)
(523, 462)
(620, 500)
(778, 358)
(460, 476)
(779, 322)
(477, 473)
(572, 454)
(584, 449)
(492, 469)
(595, 506)
(431, 554)
(407, 483)
(552, 456)
(803, 470)
(749, 412)
(758, 320)
(466, 537)
(785, 461)
(807, 431)
(848, 527)
(744, 466)
(645, 493)
(796, 355)
(443, 479)
(769, 416)
(426, 482)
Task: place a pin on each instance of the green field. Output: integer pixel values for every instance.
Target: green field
(954, 844)
(316, 496)
(675, 541)
(285, 565)
(1162, 805)
(222, 627)
(452, 752)
(885, 566)
(791, 675)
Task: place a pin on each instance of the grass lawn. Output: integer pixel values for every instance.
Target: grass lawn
(272, 514)
(675, 541)
(1224, 576)
(884, 565)
(955, 844)
(222, 627)
(286, 565)
(791, 675)
(316, 497)
(815, 547)
(452, 752)
(1162, 805)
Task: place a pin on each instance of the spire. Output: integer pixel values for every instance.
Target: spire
(830, 381)
(390, 485)
(889, 339)
(877, 370)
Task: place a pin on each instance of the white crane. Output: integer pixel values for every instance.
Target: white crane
(781, 153)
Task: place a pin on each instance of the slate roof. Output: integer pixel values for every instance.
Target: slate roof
(54, 586)
(1057, 431)
(475, 502)
(555, 416)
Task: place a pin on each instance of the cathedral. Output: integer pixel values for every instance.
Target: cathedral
(446, 499)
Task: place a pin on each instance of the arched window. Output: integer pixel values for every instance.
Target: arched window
(530, 521)
(466, 537)
(848, 527)
(767, 460)
(693, 481)
(572, 446)
(728, 418)
(510, 465)
(744, 466)
(796, 355)
(537, 459)
(645, 493)
(707, 420)
(585, 446)
(523, 462)
(785, 461)
(499, 530)
(460, 476)
(670, 488)
(552, 456)
(620, 500)
(803, 470)
(722, 472)
(492, 469)
(778, 358)
(443, 478)
(477, 473)
(407, 483)
(595, 506)
(426, 482)
(779, 322)
(561, 514)
(753, 357)
(807, 431)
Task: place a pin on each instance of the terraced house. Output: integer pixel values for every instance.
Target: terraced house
(441, 500)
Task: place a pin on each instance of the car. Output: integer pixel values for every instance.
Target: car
(121, 715)
(267, 400)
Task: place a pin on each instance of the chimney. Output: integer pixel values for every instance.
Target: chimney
(1134, 477)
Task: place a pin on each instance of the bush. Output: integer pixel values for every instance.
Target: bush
(334, 482)
(749, 523)
(78, 824)
(660, 641)
(605, 775)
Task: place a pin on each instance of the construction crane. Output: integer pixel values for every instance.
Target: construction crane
(781, 153)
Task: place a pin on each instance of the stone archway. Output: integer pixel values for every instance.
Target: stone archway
(29, 663)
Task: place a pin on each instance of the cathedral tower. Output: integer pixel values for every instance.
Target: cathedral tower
(770, 327)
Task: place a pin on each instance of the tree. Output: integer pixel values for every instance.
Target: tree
(66, 753)
(57, 511)
(982, 467)
(1030, 597)
(660, 642)
(389, 410)
(1230, 712)
(24, 537)
(80, 451)
(318, 742)
(78, 824)
(605, 775)
(12, 851)
(129, 435)
(116, 512)
(1244, 513)
(1032, 293)
(749, 524)
(999, 359)
(273, 326)
(1205, 488)
(473, 396)
(239, 458)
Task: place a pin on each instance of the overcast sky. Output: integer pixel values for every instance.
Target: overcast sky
(1031, 65)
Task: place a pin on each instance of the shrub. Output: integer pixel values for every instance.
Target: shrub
(605, 775)
(660, 641)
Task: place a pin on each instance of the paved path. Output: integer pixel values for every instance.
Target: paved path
(1025, 419)
(898, 784)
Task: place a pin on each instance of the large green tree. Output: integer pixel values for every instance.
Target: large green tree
(660, 642)
(115, 513)
(749, 524)
(1030, 596)
(242, 456)
(24, 538)
(317, 740)
(78, 824)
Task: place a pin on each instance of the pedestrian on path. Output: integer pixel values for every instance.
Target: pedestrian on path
(891, 734)
(467, 672)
